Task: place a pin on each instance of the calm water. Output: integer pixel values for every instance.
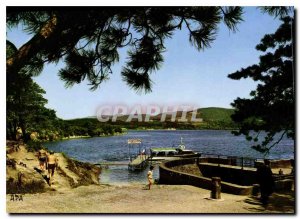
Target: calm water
(115, 149)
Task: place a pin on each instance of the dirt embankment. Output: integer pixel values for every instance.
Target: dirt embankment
(23, 174)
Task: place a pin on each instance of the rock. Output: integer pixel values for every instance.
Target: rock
(34, 136)
(23, 174)
(24, 180)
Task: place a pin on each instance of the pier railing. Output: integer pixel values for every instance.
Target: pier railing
(229, 160)
(243, 161)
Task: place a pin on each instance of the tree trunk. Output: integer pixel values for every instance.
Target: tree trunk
(14, 129)
(23, 128)
(32, 47)
(9, 130)
(53, 36)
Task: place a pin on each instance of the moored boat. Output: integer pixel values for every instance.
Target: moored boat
(170, 153)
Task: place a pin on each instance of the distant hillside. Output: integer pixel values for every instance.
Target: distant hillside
(216, 114)
(207, 114)
(216, 118)
(213, 118)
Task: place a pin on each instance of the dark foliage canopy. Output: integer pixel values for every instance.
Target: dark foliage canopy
(271, 107)
(88, 39)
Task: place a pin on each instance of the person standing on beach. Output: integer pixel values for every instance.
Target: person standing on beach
(42, 156)
(52, 164)
(150, 177)
(143, 154)
(266, 181)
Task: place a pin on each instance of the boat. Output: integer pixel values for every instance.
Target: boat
(170, 153)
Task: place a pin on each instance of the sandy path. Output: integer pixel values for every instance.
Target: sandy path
(134, 199)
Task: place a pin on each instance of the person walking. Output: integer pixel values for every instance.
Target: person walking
(266, 181)
(52, 164)
(42, 156)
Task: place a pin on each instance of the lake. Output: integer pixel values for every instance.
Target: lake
(115, 149)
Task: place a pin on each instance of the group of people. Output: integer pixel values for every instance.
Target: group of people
(48, 161)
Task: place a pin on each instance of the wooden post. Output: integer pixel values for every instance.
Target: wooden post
(215, 188)
(255, 189)
(242, 163)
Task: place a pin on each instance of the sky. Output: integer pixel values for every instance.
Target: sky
(187, 76)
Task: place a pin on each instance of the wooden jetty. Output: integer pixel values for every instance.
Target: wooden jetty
(139, 163)
(111, 163)
(140, 160)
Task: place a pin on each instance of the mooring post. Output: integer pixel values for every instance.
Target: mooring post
(242, 163)
(215, 188)
(255, 189)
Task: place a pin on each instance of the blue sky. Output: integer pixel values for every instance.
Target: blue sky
(187, 76)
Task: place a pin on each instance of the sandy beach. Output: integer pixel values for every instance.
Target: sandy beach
(134, 198)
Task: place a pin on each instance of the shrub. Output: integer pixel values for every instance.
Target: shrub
(33, 146)
(14, 187)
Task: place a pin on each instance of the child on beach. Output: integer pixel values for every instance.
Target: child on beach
(150, 177)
